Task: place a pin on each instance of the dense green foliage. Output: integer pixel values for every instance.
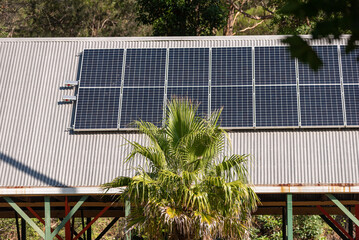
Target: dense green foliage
(192, 189)
(182, 18)
(8, 228)
(267, 227)
(79, 18)
(72, 18)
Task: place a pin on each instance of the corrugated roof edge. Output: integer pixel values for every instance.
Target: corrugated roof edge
(259, 189)
(171, 38)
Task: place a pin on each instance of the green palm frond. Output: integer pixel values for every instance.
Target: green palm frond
(154, 156)
(186, 193)
(156, 135)
(233, 167)
(118, 182)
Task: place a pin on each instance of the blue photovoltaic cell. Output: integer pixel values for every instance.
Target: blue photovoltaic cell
(351, 93)
(142, 103)
(231, 74)
(237, 103)
(188, 67)
(195, 94)
(101, 68)
(97, 108)
(232, 66)
(273, 65)
(328, 73)
(321, 105)
(350, 65)
(276, 106)
(145, 67)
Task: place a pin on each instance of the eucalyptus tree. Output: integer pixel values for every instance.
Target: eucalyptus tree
(182, 17)
(191, 189)
(70, 18)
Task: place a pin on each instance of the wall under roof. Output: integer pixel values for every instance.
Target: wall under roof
(36, 148)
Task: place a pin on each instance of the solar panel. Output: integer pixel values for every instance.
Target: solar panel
(321, 105)
(142, 103)
(196, 94)
(97, 108)
(237, 103)
(351, 93)
(232, 66)
(101, 68)
(328, 73)
(188, 67)
(145, 67)
(350, 66)
(273, 65)
(276, 106)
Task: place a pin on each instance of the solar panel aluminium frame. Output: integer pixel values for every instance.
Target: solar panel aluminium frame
(209, 93)
(345, 84)
(342, 85)
(274, 84)
(121, 93)
(73, 127)
(335, 47)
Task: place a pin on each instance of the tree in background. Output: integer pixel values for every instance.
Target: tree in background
(327, 19)
(71, 18)
(182, 17)
(331, 18)
(11, 16)
(241, 12)
(190, 190)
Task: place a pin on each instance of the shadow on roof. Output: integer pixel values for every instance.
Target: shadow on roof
(29, 171)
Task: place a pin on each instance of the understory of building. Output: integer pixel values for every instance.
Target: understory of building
(93, 207)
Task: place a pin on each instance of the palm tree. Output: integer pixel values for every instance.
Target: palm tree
(190, 190)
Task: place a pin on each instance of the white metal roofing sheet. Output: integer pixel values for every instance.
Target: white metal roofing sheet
(36, 149)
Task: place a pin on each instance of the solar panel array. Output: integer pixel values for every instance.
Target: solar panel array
(259, 87)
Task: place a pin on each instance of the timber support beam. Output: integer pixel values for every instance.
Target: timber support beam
(49, 233)
(334, 224)
(107, 228)
(343, 208)
(334, 227)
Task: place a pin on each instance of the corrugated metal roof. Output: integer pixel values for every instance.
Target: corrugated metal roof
(36, 149)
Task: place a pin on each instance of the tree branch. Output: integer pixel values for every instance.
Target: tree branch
(255, 17)
(267, 9)
(254, 26)
(235, 17)
(104, 22)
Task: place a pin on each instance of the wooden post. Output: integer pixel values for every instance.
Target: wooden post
(127, 213)
(17, 226)
(23, 229)
(357, 227)
(89, 232)
(284, 223)
(68, 235)
(68, 216)
(47, 218)
(290, 216)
